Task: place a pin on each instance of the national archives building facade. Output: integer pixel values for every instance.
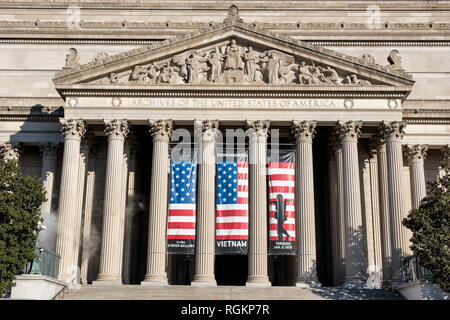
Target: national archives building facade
(100, 98)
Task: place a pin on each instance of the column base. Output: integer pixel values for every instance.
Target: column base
(149, 279)
(106, 283)
(308, 284)
(154, 283)
(198, 283)
(258, 281)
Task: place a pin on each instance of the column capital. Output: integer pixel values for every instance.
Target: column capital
(446, 156)
(416, 152)
(304, 130)
(374, 145)
(334, 143)
(393, 131)
(9, 151)
(49, 149)
(349, 130)
(161, 130)
(73, 128)
(116, 129)
(209, 129)
(259, 129)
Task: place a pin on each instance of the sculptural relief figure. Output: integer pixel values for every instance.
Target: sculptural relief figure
(368, 59)
(272, 68)
(251, 64)
(353, 80)
(139, 74)
(215, 59)
(329, 75)
(72, 58)
(195, 66)
(395, 61)
(309, 74)
(233, 58)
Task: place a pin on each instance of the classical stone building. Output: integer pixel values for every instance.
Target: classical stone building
(92, 94)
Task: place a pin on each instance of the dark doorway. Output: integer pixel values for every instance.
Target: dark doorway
(231, 270)
(282, 270)
(181, 269)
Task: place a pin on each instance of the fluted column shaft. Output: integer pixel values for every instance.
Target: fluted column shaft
(332, 190)
(161, 131)
(205, 237)
(374, 194)
(416, 155)
(130, 148)
(340, 213)
(306, 229)
(49, 157)
(257, 251)
(73, 130)
(393, 133)
(110, 270)
(384, 215)
(87, 223)
(349, 133)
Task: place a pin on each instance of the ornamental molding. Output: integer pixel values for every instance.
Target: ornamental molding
(231, 53)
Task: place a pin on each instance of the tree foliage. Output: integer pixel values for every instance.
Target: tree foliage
(20, 198)
(431, 229)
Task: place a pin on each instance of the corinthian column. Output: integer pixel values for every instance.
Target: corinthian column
(88, 209)
(306, 273)
(385, 224)
(349, 133)
(66, 237)
(257, 249)
(113, 217)
(416, 155)
(393, 133)
(205, 239)
(161, 131)
(49, 152)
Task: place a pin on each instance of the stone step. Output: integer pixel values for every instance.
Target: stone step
(143, 292)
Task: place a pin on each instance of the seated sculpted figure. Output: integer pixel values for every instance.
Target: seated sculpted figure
(139, 74)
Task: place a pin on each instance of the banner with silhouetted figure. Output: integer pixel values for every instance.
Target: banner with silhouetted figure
(281, 178)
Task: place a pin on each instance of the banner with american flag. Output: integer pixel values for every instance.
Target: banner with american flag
(281, 176)
(232, 204)
(182, 206)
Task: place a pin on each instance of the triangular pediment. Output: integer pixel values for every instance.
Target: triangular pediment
(226, 55)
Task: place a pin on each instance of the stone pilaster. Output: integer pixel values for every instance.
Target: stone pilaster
(110, 270)
(88, 209)
(205, 236)
(393, 133)
(445, 165)
(416, 155)
(66, 238)
(257, 250)
(349, 133)
(49, 153)
(161, 131)
(306, 243)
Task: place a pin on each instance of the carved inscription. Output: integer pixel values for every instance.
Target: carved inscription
(237, 103)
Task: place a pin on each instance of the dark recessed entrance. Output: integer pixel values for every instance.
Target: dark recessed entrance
(231, 270)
